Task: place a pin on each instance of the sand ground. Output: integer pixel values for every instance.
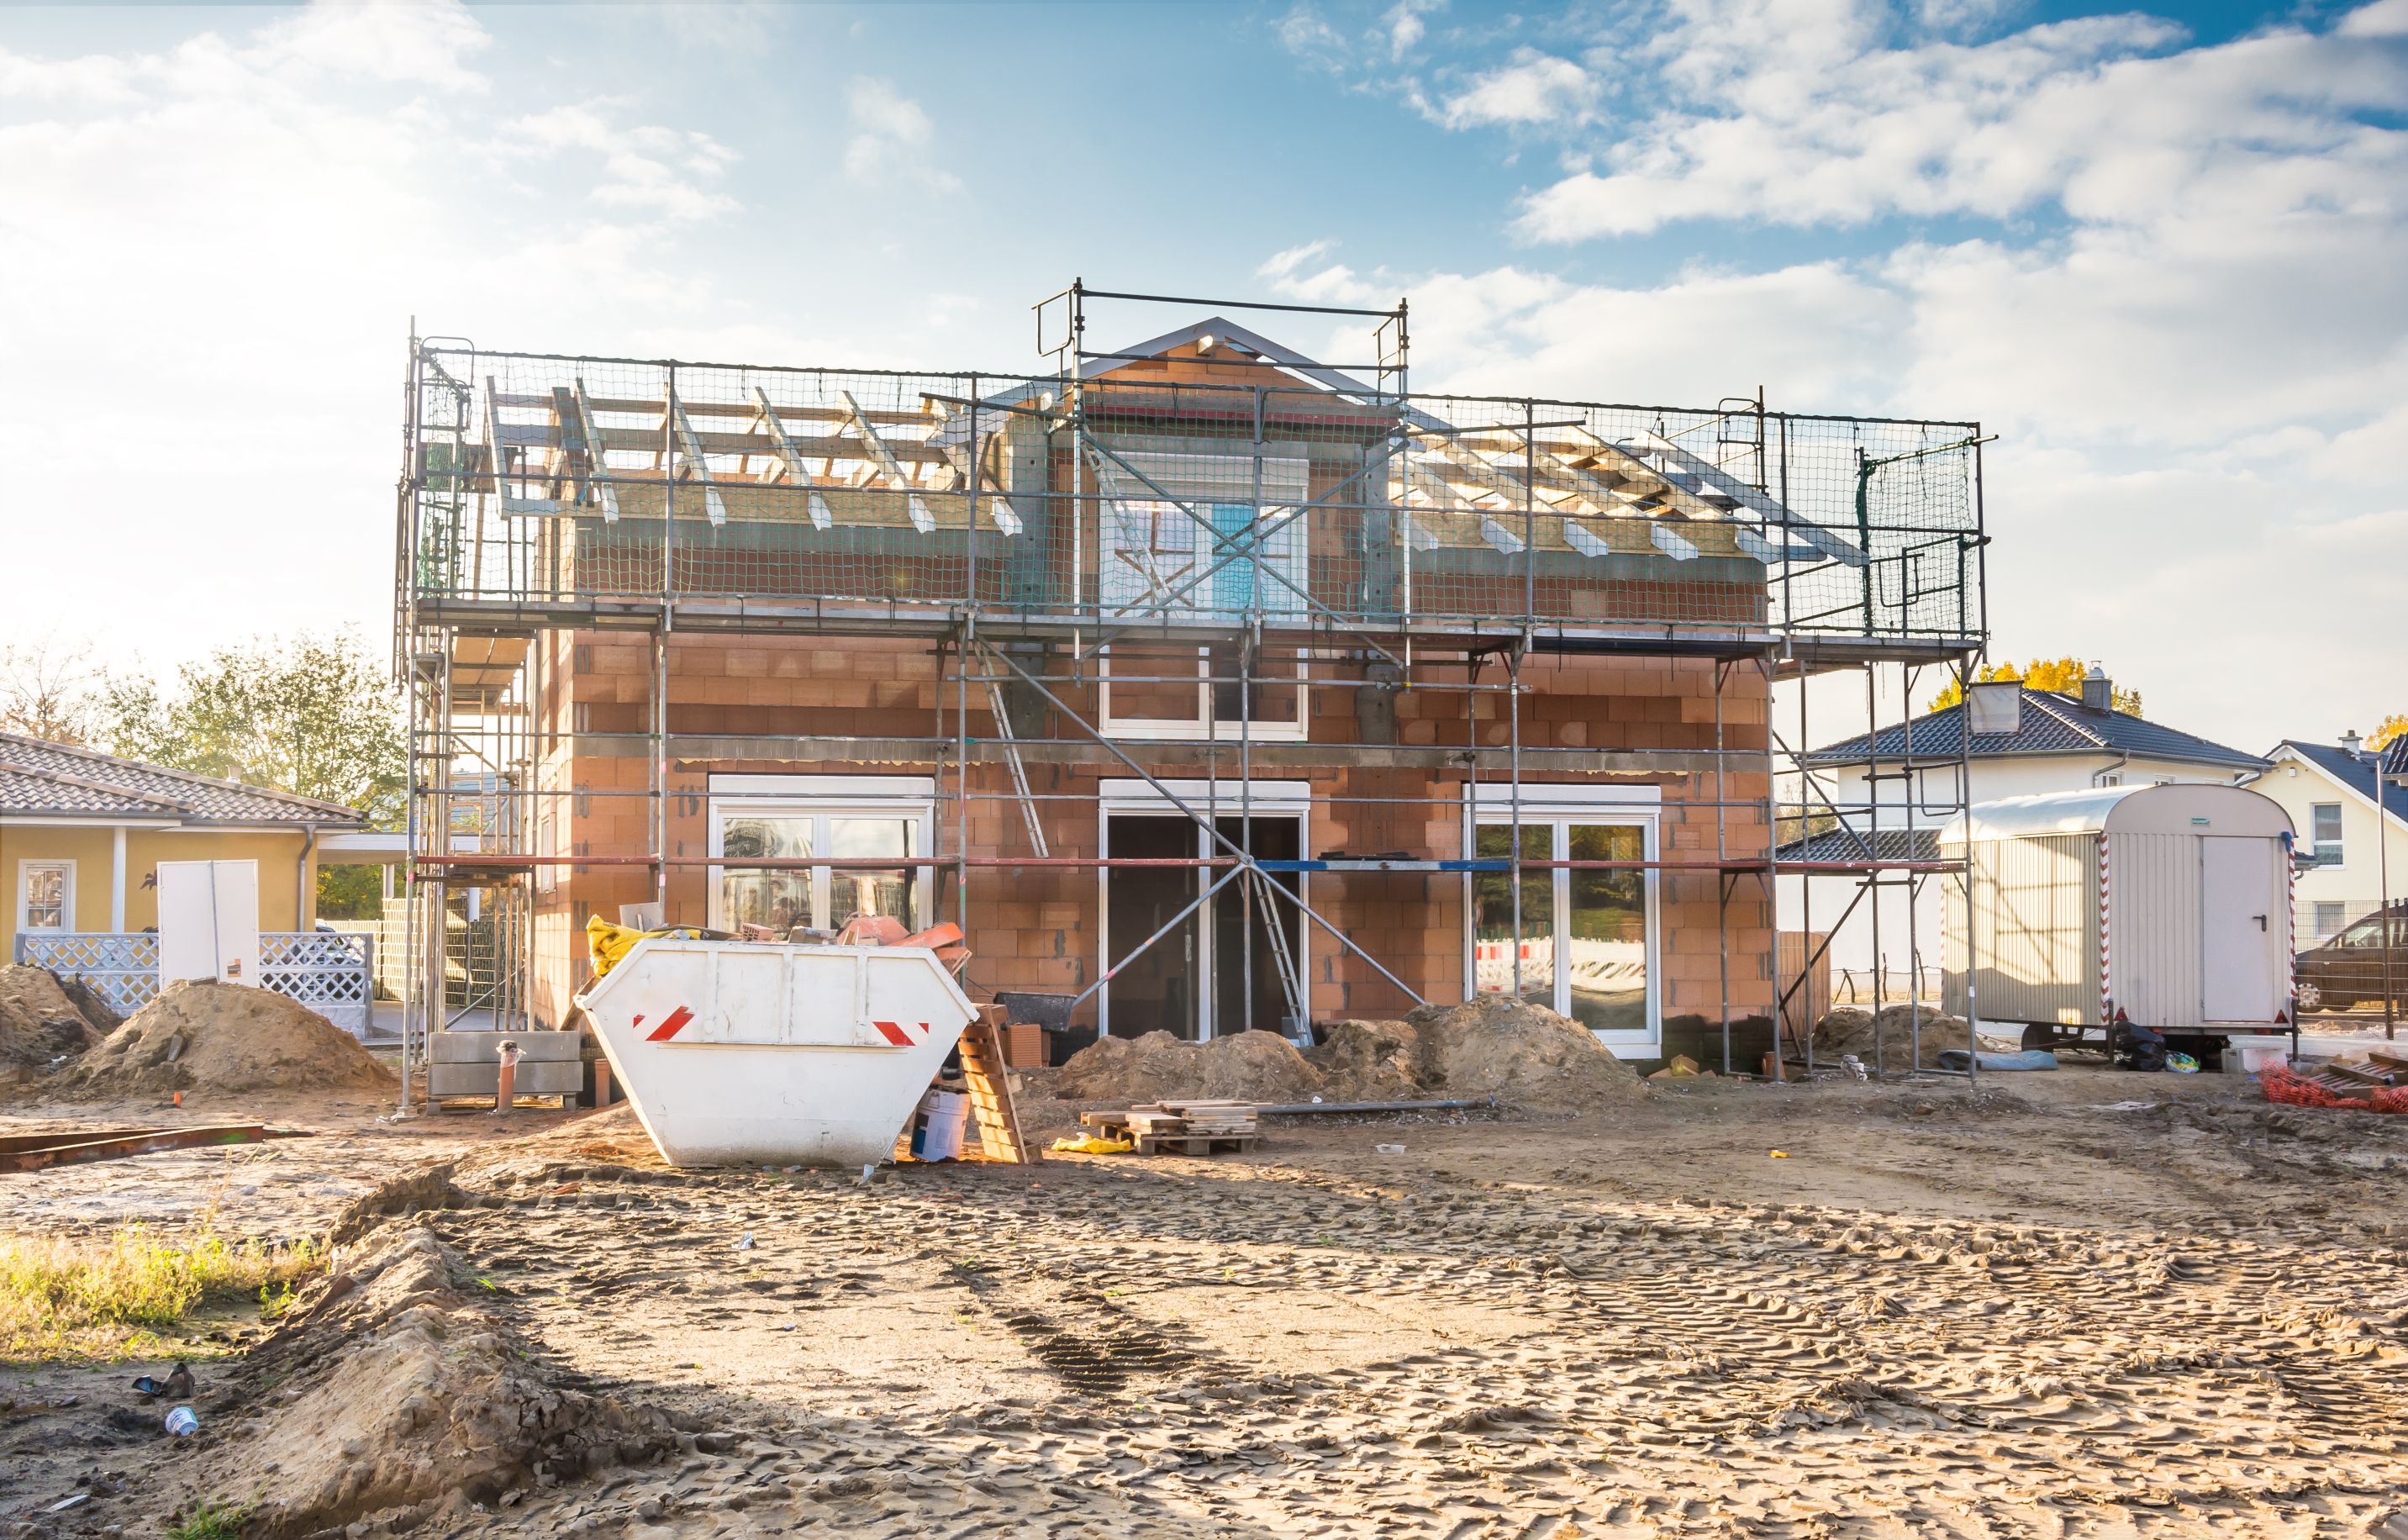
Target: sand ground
(2080, 1304)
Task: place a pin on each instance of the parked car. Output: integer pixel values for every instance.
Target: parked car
(2348, 968)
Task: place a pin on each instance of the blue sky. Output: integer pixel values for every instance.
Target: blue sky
(2159, 252)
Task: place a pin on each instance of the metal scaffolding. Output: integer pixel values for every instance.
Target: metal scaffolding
(1171, 558)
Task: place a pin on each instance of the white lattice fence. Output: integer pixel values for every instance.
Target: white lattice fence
(324, 970)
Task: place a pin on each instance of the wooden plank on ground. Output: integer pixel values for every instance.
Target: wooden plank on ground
(76, 1149)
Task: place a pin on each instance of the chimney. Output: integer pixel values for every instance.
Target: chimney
(2349, 741)
(2097, 690)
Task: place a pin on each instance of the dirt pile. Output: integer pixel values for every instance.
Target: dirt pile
(399, 1394)
(1523, 1054)
(1849, 1029)
(225, 1037)
(1244, 1067)
(40, 1024)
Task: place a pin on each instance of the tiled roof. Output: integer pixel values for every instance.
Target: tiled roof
(2048, 722)
(2356, 771)
(42, 778)
(1843, 844)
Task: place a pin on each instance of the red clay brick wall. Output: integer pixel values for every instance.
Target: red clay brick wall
(1036, 928)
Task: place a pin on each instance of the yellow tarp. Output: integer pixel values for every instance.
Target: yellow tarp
(608, 943)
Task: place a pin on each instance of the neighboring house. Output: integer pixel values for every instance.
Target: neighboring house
(83, 833)
(2021, 742)
(2329, 791)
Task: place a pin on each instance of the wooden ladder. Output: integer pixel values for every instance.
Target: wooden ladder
(990, 1088)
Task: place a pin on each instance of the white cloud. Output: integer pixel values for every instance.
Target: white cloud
(668, 171)
(1405, 25)
(229, 239)
(891, 137)
(1303, 33)
(2092, 115)
(1533, 89)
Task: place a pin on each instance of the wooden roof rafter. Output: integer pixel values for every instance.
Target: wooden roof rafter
(791, 458)
(923, 518)
(693, 463)
(596, 460)
(498, 443)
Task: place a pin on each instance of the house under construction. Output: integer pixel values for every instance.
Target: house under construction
(1205, 685)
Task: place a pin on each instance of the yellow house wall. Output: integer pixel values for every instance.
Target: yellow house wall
(280, 881)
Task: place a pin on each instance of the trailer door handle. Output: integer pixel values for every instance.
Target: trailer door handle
(2262, 921)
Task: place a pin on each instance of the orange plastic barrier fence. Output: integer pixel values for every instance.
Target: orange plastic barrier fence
(2282, 1084)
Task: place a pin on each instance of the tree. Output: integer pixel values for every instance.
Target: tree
(50, 690)
(2063, 675)
(314, 715)
(2388, 729)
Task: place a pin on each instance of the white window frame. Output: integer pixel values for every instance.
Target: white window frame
(1205, 724)
(821, 797)
(1560, 807)
(2339, 847)
(1127, 797)
(2316, 920)
(26, 867)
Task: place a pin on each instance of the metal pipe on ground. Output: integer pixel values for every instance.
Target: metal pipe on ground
(1455, 1104)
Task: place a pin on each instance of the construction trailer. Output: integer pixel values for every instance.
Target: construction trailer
(2166, 905)
(1205, 685)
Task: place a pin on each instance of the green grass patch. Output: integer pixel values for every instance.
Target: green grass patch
(130, 1293)
(211, 1522)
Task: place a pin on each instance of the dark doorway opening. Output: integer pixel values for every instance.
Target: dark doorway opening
(1156, 992)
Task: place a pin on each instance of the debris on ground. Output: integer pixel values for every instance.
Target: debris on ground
(40, 1025)
(1852, 1029)
(1681, 1067)
(401, 1396)
(105, 1017)
(206, 1036)
(1521, 1054)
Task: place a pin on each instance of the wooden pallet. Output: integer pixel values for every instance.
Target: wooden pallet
(1196, 1143)
(1159, 1130)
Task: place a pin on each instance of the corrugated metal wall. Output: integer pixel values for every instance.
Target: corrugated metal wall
(2154, 904)
(2034, 916)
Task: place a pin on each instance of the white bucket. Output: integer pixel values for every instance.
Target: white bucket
(946, 1118)
(2255, 1059)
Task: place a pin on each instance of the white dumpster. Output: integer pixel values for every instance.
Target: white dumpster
(798, 1055)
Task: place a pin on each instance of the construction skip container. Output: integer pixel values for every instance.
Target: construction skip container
(739, 1052)
(2166, 905)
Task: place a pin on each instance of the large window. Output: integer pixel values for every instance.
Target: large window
(1232, 543)
(816, 822)
(1586, 943)
(2325, 818)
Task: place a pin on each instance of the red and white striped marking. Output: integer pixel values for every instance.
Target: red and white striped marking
(2291, 933)
(670, 1026)
(902, 1034)
(2106, 953)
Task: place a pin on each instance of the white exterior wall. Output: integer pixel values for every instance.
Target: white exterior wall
(2298, 784)
(1853, 947)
